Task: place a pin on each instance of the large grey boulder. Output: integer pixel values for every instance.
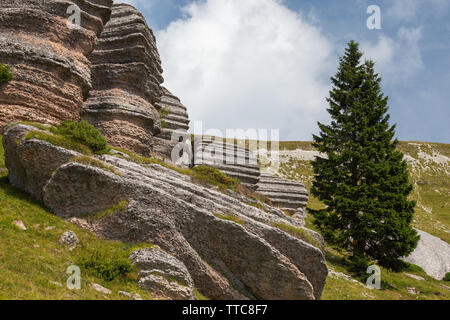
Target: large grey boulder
(432, 255)
(163, 275)
(230, 248)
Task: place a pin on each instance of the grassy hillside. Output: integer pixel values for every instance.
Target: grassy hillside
(430, 173)
(33, 264)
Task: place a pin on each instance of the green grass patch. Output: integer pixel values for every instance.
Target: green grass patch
(199, 295)
(230, 218)
(89, 161)
(121, 206)
(163, 113)
(298, 233)
(215, 177)
(34, 124)
(59, 141)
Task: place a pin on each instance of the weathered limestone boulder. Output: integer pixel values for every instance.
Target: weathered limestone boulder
(47, 55)
(432, 255)
(290, 196)
(175, 126)
(162, 274)
(235, 258)
(235, 161)
(126, 79)
(69, 238)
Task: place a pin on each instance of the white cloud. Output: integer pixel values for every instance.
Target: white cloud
(408, 9)
(398, 58)
(248, 64)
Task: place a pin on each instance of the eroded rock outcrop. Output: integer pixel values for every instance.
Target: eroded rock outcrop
(243, 257)
(162, 274)
(432, 255)
(126, 78)
(290, 196)
(233, 160)
(175, 126)
(51, 74)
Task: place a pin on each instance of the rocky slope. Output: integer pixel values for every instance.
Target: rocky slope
(126, 75)
(231, 249)
(48, 58)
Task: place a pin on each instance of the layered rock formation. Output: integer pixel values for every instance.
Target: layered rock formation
(290, 196)
(244, 258)
(47, 55)
(126, 76)
(235, 161)
(166, 276)
(175, 126)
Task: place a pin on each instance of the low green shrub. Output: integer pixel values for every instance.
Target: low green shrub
(359, 265)
(5, 74)
(106, 266)
(447, 276)
(84, 133)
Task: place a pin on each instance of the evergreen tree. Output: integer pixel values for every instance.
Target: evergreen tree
(363, 179)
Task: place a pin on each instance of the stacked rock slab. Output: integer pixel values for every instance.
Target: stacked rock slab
(47, 55)
(126, 78)
(233, 160)
(175, 126)
(288, 195)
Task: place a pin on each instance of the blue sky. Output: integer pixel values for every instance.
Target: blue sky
(265, 64)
